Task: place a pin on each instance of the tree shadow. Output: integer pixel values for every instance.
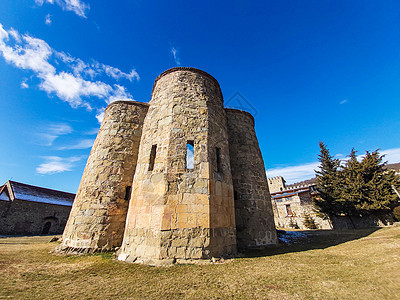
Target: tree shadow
(298, 241)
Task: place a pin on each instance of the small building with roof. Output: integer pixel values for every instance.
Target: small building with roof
(32, 210)
(293, 203)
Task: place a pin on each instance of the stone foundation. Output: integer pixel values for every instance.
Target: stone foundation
(152, 247)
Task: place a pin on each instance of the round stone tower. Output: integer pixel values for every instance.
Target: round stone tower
(182, 200)
(255, 225)
(97, 219)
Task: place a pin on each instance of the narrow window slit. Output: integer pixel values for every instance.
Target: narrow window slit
(128, 193)
(190, 155)
(152, 157)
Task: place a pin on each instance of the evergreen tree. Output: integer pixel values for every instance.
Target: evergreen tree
(352, 185)
(328, 179)
(358, 188)
(377, 192)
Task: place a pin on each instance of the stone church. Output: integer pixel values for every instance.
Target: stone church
(180, 177)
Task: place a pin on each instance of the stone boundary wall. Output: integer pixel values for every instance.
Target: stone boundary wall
(20, 217)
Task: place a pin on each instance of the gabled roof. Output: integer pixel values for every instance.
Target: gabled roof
(395, 166)
(307, 182)
(289, 192)
(26, 192)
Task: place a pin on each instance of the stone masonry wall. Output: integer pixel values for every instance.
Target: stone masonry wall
(254, 216)
(175, 212)
(98, 215)
(300, 205)
(25, 217)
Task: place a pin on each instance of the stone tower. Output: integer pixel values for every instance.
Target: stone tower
(194, 180)
(177, 211)
(97, 218)
(276, 184)
(253, 209)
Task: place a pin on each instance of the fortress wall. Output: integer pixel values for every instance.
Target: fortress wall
(254, 216)
(97, 218)
(176, 213)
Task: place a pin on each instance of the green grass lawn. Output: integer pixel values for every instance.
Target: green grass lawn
(351, 264)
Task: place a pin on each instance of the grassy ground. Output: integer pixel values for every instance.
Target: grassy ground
(353, 264)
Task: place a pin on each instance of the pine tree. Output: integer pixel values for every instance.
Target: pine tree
(358, 188)
(328, 179)
(352, 185)
(377, 193)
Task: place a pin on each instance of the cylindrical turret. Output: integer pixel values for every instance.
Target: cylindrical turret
(182, 200)
(97, 218)
(255, 225)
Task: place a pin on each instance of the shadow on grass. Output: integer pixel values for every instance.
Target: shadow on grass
(297, 241)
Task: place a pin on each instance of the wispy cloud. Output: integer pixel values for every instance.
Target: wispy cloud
(79, 67)
(77, 6)
(391, 155)
(47, 19)
(343, 101)
(294, 173)
(175, 54)
(82, 144)
(93, 131)
(56, 164)
(24, 85)
(306, 171)
(70, 79)
(53, 131)
(100, 114)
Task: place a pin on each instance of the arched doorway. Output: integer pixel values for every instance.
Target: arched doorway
(46, 227)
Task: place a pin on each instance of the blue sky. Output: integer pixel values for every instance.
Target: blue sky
(309, 71)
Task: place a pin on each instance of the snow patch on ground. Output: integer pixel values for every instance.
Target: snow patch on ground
(291, 237)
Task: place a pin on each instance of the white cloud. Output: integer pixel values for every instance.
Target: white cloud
(77, 6)
(71, 88)
(392, 156)
(294, 174)
(47, 19)
(93, 131)
(176, 56)
(82, 144)
(53, 131)
(29, 53)
(100, 115)
(24, 85)
(343, 101)
(76, 86)
(15, 35)
(96, 68)
(56, 164)
(119, 93)
(302, 172)
(3, 33)
(117, 73)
